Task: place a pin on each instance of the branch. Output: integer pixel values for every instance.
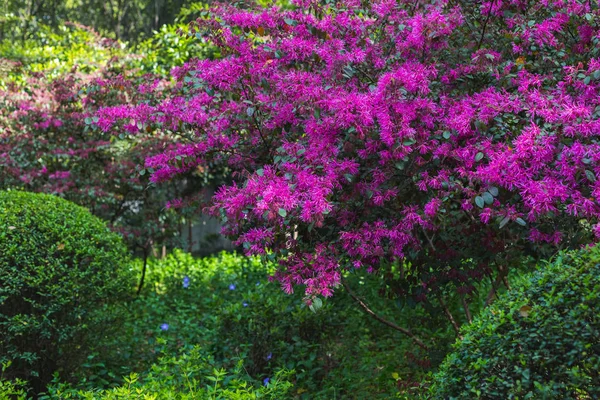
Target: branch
(366, 308)
(144, 267)
(487, 19)
(429, 240)
(495, 284)
(450, 317)
(466, 308)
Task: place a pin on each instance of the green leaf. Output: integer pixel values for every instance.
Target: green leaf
(493, 191)
(590, 175)
(282, 212)
(521, 221)
(488, 198)
(250, 111)
(316, 305)
(348, 71)
(446, 135)
(260, 172)
(479, 156)
(479, 201)
(504, 221)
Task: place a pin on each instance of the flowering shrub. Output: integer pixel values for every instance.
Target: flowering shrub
(47, 145)
(430, 141)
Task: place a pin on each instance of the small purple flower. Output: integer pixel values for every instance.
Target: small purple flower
(186, 282)
(269, 356)
(266, 381)
(232, 287)
(164, 327)
(245, 304)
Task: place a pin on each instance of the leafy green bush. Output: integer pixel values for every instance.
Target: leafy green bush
(539, 341)
(55, 51)
(58, 263)
(169, 48)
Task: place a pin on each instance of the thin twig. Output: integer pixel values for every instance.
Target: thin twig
(366, 308)
(466, 308)
(429, 239)
(494, 289)
(450, 317)
(485, 25)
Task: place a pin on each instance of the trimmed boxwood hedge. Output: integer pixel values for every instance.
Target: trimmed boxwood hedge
(541, 340)
(58, 263)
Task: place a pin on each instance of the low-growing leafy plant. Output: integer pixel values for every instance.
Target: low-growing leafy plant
(539, 341)
(58, 263)
(11, 390)
(190, 375)
(227, 306)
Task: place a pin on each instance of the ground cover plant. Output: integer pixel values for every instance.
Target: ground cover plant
(223, 313)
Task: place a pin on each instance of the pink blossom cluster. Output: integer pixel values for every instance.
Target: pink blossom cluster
(433, 135)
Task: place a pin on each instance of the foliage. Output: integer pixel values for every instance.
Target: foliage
(56, 51)
(189, 302)
(46, 144)
(11, 390)
(171, 45)
(191, 375)
(57, 264)
(539, 341)
(432, 142)
(130, 20)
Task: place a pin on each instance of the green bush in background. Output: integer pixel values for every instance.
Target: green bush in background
(541, 340)
(55, 51)
(58, 264)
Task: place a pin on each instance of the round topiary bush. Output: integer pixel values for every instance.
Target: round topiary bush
(539, 341)
(58, 263)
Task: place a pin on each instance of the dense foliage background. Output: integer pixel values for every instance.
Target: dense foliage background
(394, 166)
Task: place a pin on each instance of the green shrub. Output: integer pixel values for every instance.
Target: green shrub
(55, 51)
(539, 341)
(58, 263)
